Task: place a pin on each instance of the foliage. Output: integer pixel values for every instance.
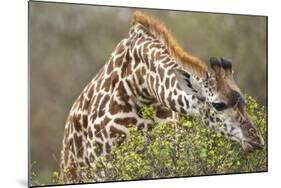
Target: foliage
(187, 148)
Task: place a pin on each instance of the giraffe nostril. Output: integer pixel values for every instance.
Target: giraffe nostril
(261, 140)
(258, 143)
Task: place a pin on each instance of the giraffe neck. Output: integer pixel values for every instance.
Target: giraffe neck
(152, 80)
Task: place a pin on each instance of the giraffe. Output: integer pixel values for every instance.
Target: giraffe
(150, 68)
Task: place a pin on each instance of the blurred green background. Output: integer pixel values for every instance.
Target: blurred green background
(69, 43)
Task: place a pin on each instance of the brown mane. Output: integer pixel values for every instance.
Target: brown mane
(188, 61)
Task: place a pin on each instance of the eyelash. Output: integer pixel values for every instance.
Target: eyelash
(219, 106)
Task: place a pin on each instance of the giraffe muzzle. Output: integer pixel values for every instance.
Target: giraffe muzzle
(256, 144)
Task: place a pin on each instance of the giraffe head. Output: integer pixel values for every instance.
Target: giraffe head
(221, 103)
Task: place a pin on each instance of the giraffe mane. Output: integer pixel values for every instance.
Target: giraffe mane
(186, 60)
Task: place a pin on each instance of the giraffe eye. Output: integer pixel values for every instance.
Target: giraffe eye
(219, 106)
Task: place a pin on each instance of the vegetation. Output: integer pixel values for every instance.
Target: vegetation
(186, 148)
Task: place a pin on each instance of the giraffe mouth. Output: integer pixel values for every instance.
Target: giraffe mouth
(249, 146)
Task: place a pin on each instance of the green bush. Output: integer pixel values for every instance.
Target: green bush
(186, 148)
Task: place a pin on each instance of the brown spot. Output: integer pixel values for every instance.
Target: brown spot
(90, 133)
(152, 67)
(167, 83)
(186, 102)
(105, 121)
(106, 84)
(116, 133)
(136, 57)
(155, 45)
(145, 91)
(115, 107)
(178, 87)
(98, 148)
(152, 55)
(78, 144)
(162, 93)
(126, 66)
(143, 70)
(182, 110)
(172, 102)
(141, 126)
(163, 113)
(126, 121)
(101, 112)
(170, 71)
(180, 102)
(86, 105)
(173, 81)
(110, 66)
(81, 164)
(149, 127)
(152, 84)
(97, 130)
(85, 121)
(120, 48)
(161, 72)
(140, 75)
(76, 123)
(212, 119)
(107, 147)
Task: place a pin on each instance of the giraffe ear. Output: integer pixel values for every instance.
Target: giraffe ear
(227, 66)
(188, 83)
(215, 65)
